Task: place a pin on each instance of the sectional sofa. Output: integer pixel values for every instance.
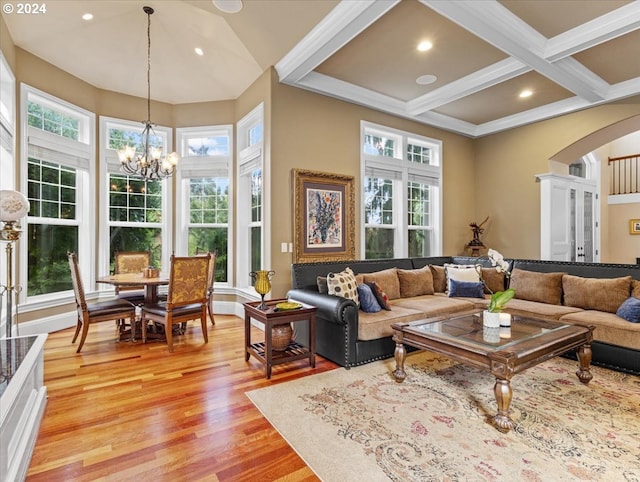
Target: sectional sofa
(585, 293)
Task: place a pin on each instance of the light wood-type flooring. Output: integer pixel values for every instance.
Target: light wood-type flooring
(135, 412)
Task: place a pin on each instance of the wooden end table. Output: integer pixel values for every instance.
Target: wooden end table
(271, 317)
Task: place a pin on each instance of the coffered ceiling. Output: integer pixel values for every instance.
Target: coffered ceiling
(569, 54)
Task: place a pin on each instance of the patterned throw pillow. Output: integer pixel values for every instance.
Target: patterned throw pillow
(368, 301)
(381, 296)
(630, 310)
(343, 284)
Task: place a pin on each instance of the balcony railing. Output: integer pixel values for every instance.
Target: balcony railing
(624, 174)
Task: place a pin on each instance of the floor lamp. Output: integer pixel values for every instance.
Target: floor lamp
(13, 207)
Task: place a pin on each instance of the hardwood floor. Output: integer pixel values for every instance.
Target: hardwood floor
(128, 411)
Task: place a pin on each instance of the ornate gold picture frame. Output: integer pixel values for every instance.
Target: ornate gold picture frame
(324, 216)
(634, 226)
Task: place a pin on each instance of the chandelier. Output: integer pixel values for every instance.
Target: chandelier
(148, 164)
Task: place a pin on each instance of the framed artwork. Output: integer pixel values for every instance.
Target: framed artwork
(324, 211)
(634, 226)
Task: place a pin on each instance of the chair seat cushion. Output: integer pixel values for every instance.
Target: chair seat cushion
(160, 309)
(106, 307)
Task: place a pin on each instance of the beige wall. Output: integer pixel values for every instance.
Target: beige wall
(506, 166)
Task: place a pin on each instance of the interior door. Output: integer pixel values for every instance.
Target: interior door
(568, 219)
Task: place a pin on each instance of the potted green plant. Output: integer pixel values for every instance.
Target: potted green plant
(492, 315)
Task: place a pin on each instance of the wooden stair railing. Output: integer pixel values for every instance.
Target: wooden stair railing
(624, 174)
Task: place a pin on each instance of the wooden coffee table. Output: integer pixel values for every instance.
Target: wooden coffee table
(462, 337)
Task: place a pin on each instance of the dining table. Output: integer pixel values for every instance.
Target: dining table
(150, 285)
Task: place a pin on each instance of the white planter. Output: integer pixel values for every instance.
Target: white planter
(491, 320)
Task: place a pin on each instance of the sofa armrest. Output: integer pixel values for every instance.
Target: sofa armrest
(330, 307)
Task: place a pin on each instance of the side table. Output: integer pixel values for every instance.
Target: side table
(271, 317)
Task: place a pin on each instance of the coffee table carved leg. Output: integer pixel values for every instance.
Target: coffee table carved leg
(584, 357)
(400, 354)
(503, 393)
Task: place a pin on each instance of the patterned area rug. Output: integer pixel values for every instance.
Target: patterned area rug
(359, 424)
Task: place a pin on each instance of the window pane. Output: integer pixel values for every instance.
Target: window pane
(419, 154)
(378, 199)
(135, 239)
(202, 240)
(255, 134)
(47, 195)
(52, 121)
(418, 204)
(138, 201)
(379, 146)
(48, 266)
(419, 243)
(256, 248)
(379, 243)
(209, 201)
(208, 146)
(256, 196)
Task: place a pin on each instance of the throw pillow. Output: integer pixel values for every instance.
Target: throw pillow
(493, 280)
(469, 289)
(368, 301)
(461, 272)
(602, 294)
(630, 310)
(381, 296)
(635, 288)
(388, 281)
(322, 284)
(415, 282)
(343, 284)
(439, 278)
(536, 286)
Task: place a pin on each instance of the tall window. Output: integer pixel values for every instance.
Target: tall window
(401, 193)
(136, 213)
(204, 193)
(58, 159)
(252, 239)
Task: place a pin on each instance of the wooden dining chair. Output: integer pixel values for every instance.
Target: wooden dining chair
(131, 262)
(211, 279)
(186, 299)
(88, 313)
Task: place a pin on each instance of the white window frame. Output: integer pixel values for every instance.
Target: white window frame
(203, 166)
(77, 154)
(110, 164)
(251, 157)
(400, 170)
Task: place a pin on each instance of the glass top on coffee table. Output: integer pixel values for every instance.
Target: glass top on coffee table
(468, 329)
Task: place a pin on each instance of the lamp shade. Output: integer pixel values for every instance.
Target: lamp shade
(13, 205)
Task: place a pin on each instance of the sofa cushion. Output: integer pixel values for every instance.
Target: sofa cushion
(415, 282)
(536, 286)
(464, 272)
(387, 279)
(439, 278)
(493, 280)
(630, 310)
(635, 288)
(368, 301)
(535, 309)
(381, 296)
(610, 328)
(469, 289)
(602, 294)
(372, 326)
(343, 284)
(435, 305)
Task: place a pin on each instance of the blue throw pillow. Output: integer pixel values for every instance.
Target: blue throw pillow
(467, 289)
(368, 301)
(630, 310)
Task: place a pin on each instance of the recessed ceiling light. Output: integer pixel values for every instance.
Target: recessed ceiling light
(424, 46)
(87, 16)
(525, 93)
(426, 79)
(199, 51)
(228, 6)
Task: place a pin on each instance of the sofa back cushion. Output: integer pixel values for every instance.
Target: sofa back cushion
(388, 281)
(415, 282)
(635, 288)
(439, 278)
(601, 294)
(535, 286)
(493, 280)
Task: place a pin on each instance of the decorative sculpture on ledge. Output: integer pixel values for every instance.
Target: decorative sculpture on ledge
(476, 244)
